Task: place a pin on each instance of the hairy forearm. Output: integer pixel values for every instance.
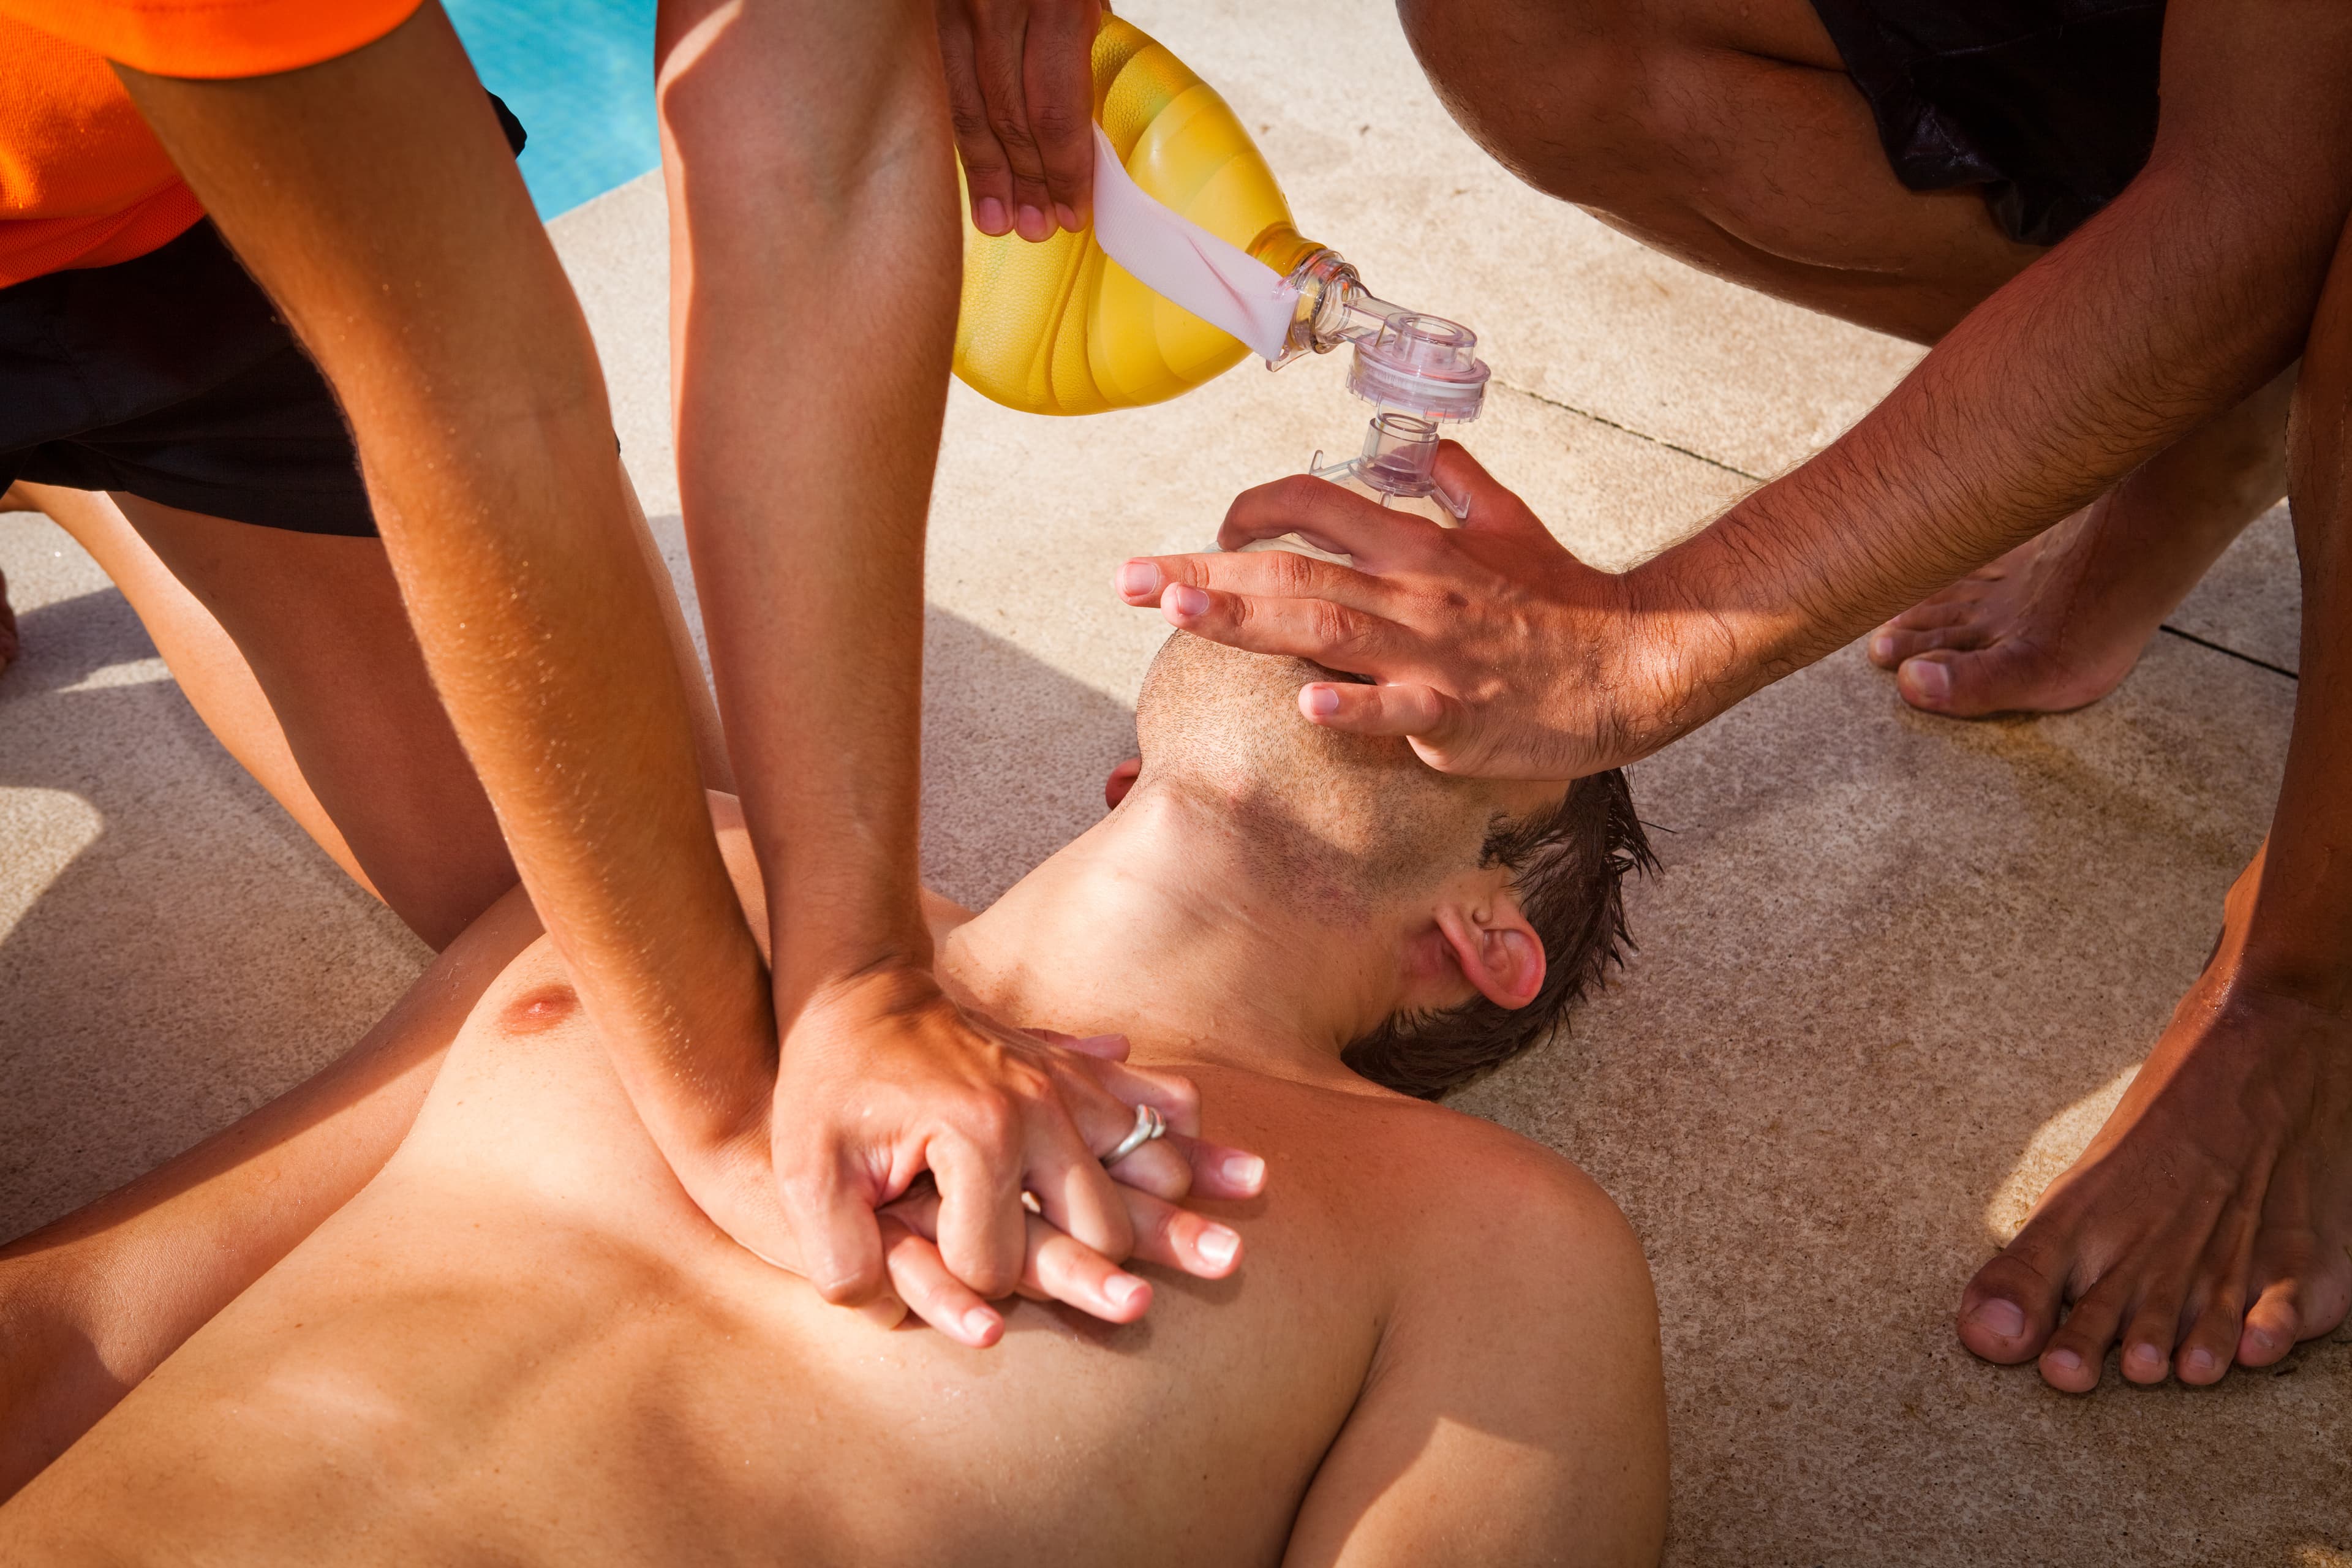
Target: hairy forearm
(2188, 292)
(814, 254)
(92, 1303)
(373, 197)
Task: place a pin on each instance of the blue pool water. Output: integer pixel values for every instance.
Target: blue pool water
(579, 74)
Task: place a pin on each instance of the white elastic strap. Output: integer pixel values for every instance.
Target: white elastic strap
(1180, 261)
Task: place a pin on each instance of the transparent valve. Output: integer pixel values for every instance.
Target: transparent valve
(1397, 468)
(1418, 371)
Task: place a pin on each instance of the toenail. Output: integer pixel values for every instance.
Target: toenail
(1996, 1316)
(2200, 1361)
(1930, 680)
(1882, 647)
(2065, 1361)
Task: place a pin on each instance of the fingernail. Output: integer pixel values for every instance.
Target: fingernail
(2065, 1361)
(1322, 701)
(1186, 600)
(1069, 216)
(2200, 1361)
(1123, 1288)
(1217, 1246)
(989, 216)
(1930, 681)
(981, 1323)
(1139, 579)
(1032, 222)
(2003, 1317)
(1243, 1169)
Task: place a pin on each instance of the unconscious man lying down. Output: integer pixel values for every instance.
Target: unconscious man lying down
(520, 1344)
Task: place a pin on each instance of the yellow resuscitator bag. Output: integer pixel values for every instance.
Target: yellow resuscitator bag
(1193, 263)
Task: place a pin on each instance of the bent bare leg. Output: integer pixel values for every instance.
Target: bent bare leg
(316, 621)
(1728, 135)
(2211, 1217)
(211, 673)
(296, 650)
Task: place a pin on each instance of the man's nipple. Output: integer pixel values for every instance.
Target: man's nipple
(540, 1008)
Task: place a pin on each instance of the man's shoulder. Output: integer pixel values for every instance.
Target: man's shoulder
(1514, 1176)
(1500, 1211)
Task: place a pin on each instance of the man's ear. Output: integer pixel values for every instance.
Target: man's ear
(1499, 951)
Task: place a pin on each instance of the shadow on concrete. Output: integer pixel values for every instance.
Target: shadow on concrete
(1014, 754)
(181, 950)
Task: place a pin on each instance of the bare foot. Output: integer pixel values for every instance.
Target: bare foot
(16, 497)
(2029, 634)
(2210, 1220)
(2059, 621)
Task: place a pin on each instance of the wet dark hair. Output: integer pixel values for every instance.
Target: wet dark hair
(1568, 866)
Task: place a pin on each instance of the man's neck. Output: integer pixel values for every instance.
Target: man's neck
(1155, 924)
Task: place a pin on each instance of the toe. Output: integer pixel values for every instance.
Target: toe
(2269, 1332)
(2304, 1292)
(2076, 1354)
(2205, 1355)
(2149, 1343)
(2218, 1316)
(2008, 1310)
(1892, 647)
(1925, 682)
(1972, 683)
(1920, 629)
(2215, 1314)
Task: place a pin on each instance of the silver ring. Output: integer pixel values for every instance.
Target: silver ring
(1149, 1124)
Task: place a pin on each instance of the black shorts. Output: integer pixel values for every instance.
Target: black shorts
(2048, 104)
(171, 376)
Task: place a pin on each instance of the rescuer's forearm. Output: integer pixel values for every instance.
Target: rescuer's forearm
(2186, 293)
(815, 254)
(373, 197)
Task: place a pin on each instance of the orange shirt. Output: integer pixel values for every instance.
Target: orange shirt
(83, 181)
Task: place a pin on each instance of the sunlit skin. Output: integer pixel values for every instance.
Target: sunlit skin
(2125, 385)
(1424, 1339)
